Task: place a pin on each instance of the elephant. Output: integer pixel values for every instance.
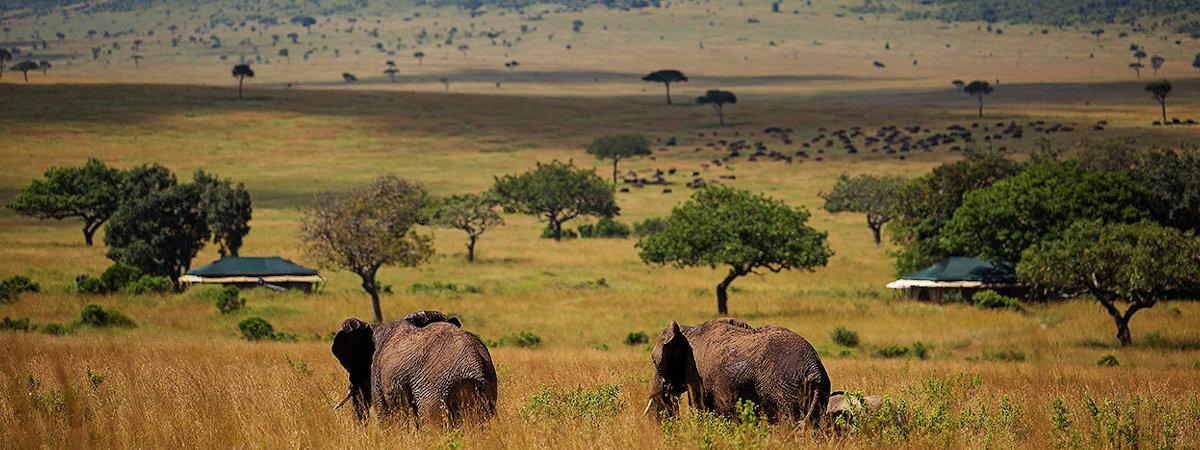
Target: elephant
(722, 361)
(844, 407)
(424, 367)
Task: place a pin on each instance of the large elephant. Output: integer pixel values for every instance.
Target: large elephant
(720, 362)
(423, 366)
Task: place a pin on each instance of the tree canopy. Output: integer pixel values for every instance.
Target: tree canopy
(720, 226)
(91, 192)
(1159, 90)
(471, 213)
(717, 99)
(161, 233)
(872, 195)
(1137, 264)
(368, 228)
(243, 71)
(227, 210)
(1000, 221)
(979, 90)
(666, 77)
(556, 192)
(616, 147)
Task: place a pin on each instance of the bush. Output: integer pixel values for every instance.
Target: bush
(1108, 361)
(567, 233)
(16, 285)
(10, 324)
(605, 228)
(229, 300)
(440, 286)
(258, 329)
(91, 286)
(990, 299)
(843, 336)
(57, 329)
(892, 351)
(94, 315)
(148, 284)
(637, 338)
(117, 276)
(650, 226)
(523, 339)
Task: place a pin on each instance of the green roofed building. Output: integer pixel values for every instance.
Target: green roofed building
(249, 271)
(959, 277)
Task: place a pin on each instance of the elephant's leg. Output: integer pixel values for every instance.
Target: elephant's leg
(431, 410)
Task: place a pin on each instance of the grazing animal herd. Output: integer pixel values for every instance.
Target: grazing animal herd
(425, 369)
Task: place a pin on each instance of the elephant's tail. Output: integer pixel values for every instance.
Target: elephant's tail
(470, 400)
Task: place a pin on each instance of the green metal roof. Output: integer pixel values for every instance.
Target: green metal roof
(961, 268)
(251, 266)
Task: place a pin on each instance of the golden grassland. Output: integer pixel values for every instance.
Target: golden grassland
(183, 377)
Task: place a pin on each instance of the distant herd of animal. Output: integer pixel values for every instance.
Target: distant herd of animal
(427, 370)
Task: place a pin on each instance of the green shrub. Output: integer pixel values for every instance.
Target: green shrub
(258, 329)
(548, 233)
(91, 286)
(148, 284)
(229, 299)
(650, 226)
(57, 329)
(96, 316)
(1006, 355)
(443, 287)
(920, 350)
(990, 299)
(637, 338)
(892, 351)
(523, 339)
(10, 324)
(1108, 361)
(16, 285)
(843, 336)
(117, 276)
(578, 402)
(605, 228)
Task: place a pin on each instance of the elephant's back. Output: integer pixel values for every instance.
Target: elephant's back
(438, 353)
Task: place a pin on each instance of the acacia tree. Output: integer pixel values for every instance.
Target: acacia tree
(471, 213)
(1137, 68)
(1156, 63)
(556, 192)
(1159, 90)
(391, 71)
(227, 209)
(666, 77)
(1136, 264)
(718, 99)
(979, 89)
(91, 192)
(720, 226)
(159, 234)
(25, 67)
(872, 195)
(45, 66)
(242, 72)
(958, 85)
(618, 146)
(368, 228)
(420, 57)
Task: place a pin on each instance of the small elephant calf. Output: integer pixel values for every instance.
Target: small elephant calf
(842, 406)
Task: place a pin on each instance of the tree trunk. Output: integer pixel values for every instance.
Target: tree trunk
(875, 233)
(1163, 103)
(722, 293)
(981, 106)
(471, 248)
(721, 114)
(557, 226)
(1123, 332)
(369, 285)
(668, 93)
(26, 76)
(89, 231)
(615, 160)
(240, 82)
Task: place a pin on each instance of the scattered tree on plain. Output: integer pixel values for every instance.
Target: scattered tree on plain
(979, 89)
(616, 147)
(1156, 63)
(160, 233)
(91, 192)
(872, 195)
(556, 192)
(1137, 264)
(45, 66)
(368, 228)
(718, 99)
(227, 209)
(420, 56)
(958, 85)
(6, 56)
(666, 77)
(1137, 68)
(25, 67)
(349, 77)
(1159, 90)
(720, 226)
(471, 213)
(242, 72)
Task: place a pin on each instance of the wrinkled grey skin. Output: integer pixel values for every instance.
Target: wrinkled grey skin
(423, 367)
(844, 406)
(720, 362)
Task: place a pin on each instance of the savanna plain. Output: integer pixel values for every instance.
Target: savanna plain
(184, 377)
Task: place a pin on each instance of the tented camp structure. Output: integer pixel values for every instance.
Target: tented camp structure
(957, 277)
(249, 271)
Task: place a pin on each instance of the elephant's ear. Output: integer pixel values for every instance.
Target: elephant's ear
(420, 319)
(354, 346)
(455, 321)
